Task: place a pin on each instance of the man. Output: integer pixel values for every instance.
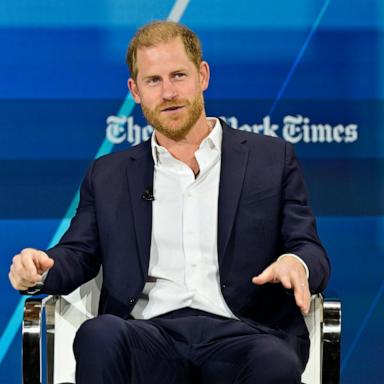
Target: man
(209, 249)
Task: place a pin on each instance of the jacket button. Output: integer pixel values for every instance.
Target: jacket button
(131, 300)
(224, 285)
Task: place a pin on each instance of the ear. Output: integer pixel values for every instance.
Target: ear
(134, 90)
(204, 75)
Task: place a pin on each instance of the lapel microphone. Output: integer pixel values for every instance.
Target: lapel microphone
(148, 194)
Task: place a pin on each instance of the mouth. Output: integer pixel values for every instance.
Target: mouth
(173, 108)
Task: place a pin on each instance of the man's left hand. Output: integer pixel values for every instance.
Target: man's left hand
(291, 273)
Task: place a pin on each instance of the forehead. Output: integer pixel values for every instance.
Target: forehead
(162, 56)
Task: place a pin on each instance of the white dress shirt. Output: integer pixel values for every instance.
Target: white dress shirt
(183, 268)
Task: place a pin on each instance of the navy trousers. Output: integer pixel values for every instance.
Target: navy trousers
(184, 347)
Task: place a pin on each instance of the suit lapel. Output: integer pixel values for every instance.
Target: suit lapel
(234, 158)
(140, 178)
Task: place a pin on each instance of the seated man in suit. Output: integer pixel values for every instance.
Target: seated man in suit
(208, 246)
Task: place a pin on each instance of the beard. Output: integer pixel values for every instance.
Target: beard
(178, 125)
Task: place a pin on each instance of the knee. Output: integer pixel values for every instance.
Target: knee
(99, 332)
(274, 363)
(285, 366)
(99, 351)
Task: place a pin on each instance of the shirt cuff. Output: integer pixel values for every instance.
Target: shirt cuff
(298, 259)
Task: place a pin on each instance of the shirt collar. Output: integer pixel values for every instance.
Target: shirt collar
(214, 140)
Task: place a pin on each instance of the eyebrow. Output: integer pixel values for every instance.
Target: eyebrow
(151, 77)
(179, 70)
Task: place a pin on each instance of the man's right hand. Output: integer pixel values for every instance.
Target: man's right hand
(28, 267)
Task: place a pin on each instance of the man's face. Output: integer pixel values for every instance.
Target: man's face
(169, 88)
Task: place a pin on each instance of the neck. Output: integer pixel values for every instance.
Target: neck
(184, 150)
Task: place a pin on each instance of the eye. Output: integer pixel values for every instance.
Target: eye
(153, 80)
(179, 75)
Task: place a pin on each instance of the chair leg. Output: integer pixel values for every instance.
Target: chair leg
(31, 341)
(331, 341)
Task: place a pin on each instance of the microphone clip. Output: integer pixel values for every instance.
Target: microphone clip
(148, 195)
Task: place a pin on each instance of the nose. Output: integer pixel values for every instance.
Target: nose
(169, 90)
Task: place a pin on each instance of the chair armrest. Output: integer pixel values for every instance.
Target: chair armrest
(331, 341)
(31, 341)
(32, 332)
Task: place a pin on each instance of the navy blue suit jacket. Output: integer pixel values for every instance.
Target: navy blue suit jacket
(263, 213)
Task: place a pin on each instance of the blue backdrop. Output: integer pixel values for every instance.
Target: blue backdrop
(308, 71)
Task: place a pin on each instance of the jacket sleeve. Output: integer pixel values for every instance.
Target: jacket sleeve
(298, 229)
(77, 255)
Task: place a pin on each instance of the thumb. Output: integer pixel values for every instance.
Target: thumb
(266, 276)
(44, 262)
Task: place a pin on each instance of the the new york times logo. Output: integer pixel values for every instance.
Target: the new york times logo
(295, 129)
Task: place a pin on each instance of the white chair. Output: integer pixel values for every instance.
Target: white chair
(64, 315)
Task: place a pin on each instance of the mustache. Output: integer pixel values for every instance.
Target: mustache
(172, 104)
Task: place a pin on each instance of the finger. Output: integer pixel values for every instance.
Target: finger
(36, 261)
(298, 288)
(302, 295)
(16, 284)
(307, 299)
(298, 282)
(27, 258)
(268, 275)
(298, 292)
(20, 278)
(21, 275)
(286, 281)
(18, 269)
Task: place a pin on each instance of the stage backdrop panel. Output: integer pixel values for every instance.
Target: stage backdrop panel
(307, 71)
